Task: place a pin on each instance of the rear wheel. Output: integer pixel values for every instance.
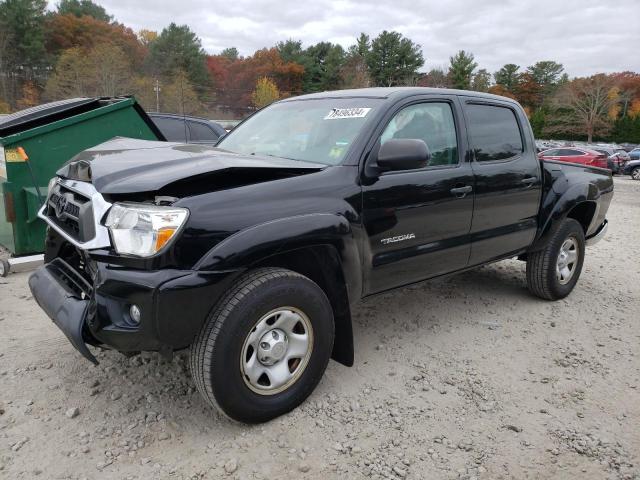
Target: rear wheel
(553, 271)
(265, 347)
(635, 173)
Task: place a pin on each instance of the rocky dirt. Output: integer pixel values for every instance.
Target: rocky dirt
(466, 377)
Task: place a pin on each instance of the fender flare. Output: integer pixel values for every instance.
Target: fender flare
(255, 244)
(568, 200)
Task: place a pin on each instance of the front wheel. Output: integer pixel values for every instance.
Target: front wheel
(553, 271)
(635, 173)
(265, 347)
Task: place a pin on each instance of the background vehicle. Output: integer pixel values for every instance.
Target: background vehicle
(252, 253)
(582, 156)
(632, 168)
(178, 128)
(635, 154)
(615, 158)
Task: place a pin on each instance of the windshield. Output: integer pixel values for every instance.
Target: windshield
(319, 131)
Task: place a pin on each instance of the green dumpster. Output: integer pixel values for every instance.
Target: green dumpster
(34, 143)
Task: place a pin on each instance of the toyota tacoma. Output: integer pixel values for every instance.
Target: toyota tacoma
(251, 253)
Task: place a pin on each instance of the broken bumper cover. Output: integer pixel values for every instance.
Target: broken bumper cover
(174, 305)
(599, 235)
(62, 305)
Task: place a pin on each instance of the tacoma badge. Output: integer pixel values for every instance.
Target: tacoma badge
(399, 238)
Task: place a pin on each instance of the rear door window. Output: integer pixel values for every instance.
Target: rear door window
(494, 132)
(202, 133)
(173, 129)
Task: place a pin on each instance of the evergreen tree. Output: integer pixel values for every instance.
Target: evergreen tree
(461, 68)
(393, 60)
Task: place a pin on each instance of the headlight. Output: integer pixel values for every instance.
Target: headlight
(142, 230)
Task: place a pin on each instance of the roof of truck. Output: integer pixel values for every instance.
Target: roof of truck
(396, 92)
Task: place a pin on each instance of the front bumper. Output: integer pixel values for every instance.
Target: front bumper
(599, 235)
(174, 305)
(61, 303)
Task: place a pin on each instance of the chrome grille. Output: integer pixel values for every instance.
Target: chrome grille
(74, 209)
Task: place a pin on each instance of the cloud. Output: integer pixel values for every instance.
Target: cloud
(586, 36)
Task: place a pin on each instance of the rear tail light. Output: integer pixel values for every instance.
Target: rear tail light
(600, 161)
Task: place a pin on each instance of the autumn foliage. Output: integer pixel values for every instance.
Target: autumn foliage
(80, 50)
(68, 31)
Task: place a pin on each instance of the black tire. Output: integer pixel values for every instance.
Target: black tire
(216, 353)
(635, 173)
(542, 279)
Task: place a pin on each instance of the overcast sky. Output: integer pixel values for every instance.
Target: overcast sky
(586, 36)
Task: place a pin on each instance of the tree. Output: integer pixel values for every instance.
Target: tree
(266, 92)
(461, 68)
(22, 45)
(393, 60)
(71, 77)
(147, 37)
(178, 49)
(231, 53)
(179, 96)
(4, 107)
(80, 8)
(6, 58)
(583, 105)
(354, 72)
(68, 31)
(499, 89)
(546, 73)
(528, 91)
(110, 69)
(322, 63)
(104, 70)
(436, 78)
(30, 95)
(362, 46)
(538, 121)
(481, 81)
(508, 77)
(290, 51)
(142, 89)
(236, 80)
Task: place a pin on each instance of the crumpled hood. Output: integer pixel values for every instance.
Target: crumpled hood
(126, 165)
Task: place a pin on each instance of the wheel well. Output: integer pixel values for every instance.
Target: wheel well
(583, 213)
(322, 265)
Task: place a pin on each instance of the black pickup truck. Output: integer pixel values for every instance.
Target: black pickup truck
(252, 252)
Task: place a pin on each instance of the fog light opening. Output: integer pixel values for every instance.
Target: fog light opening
(134, 313)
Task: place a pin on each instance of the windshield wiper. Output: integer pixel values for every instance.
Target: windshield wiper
(274, 156)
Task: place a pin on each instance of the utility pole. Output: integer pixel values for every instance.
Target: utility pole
(156, 89)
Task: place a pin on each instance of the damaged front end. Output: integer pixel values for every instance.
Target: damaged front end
(64, 296)
(101, 297)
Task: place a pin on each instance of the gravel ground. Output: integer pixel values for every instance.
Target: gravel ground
(466, 377)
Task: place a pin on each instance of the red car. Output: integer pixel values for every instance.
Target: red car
(583, 156)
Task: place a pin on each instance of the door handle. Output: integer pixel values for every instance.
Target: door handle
(529, 180)
(460, 192)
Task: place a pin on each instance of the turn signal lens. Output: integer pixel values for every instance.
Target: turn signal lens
(163, 236)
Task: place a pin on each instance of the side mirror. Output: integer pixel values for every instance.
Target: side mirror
(403, 154)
